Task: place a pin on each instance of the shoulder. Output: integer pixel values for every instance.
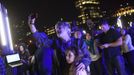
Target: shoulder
(127, 36)
(99, 35)
(115, 32)
(42, 34)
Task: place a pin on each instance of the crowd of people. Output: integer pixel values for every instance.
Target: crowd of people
(109, 52)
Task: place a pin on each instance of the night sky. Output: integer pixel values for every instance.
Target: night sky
(50, 11)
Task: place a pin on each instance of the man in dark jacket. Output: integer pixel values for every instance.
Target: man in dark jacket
(110, 42)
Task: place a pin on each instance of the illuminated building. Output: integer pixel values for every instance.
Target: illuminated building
(50, 30)
(89, 9)
(126, 12)
(21, 31)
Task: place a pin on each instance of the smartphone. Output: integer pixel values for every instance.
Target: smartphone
(34, 15)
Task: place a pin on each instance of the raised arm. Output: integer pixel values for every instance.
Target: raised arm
(31, 23)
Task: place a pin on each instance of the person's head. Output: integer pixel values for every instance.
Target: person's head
(88, 36)
(70, 55)
(63, 29)
(123, 32)
(118, 29)
(78, 33)
(104, 25)
(22, 47)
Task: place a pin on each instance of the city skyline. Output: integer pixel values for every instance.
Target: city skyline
(49, 11)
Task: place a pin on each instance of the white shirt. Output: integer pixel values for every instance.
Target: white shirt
(127, 44)
(95, 57)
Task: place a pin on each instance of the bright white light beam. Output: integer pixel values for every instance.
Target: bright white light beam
(2, 30)
(9, 32)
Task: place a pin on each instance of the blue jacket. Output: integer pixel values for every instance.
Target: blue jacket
(44, 43)
(2, 67)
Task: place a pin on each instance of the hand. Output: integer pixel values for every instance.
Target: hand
(81, 66)
(22, 60)
(102, 47)
(33, 59)
(31, 19)
(106, 45)
(88, 47)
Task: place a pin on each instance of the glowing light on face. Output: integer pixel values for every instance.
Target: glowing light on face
(78, 34)
(62, 32)
(58, 30)
(88, 36)
(21, 48)
(70, 57)
(2, 30)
